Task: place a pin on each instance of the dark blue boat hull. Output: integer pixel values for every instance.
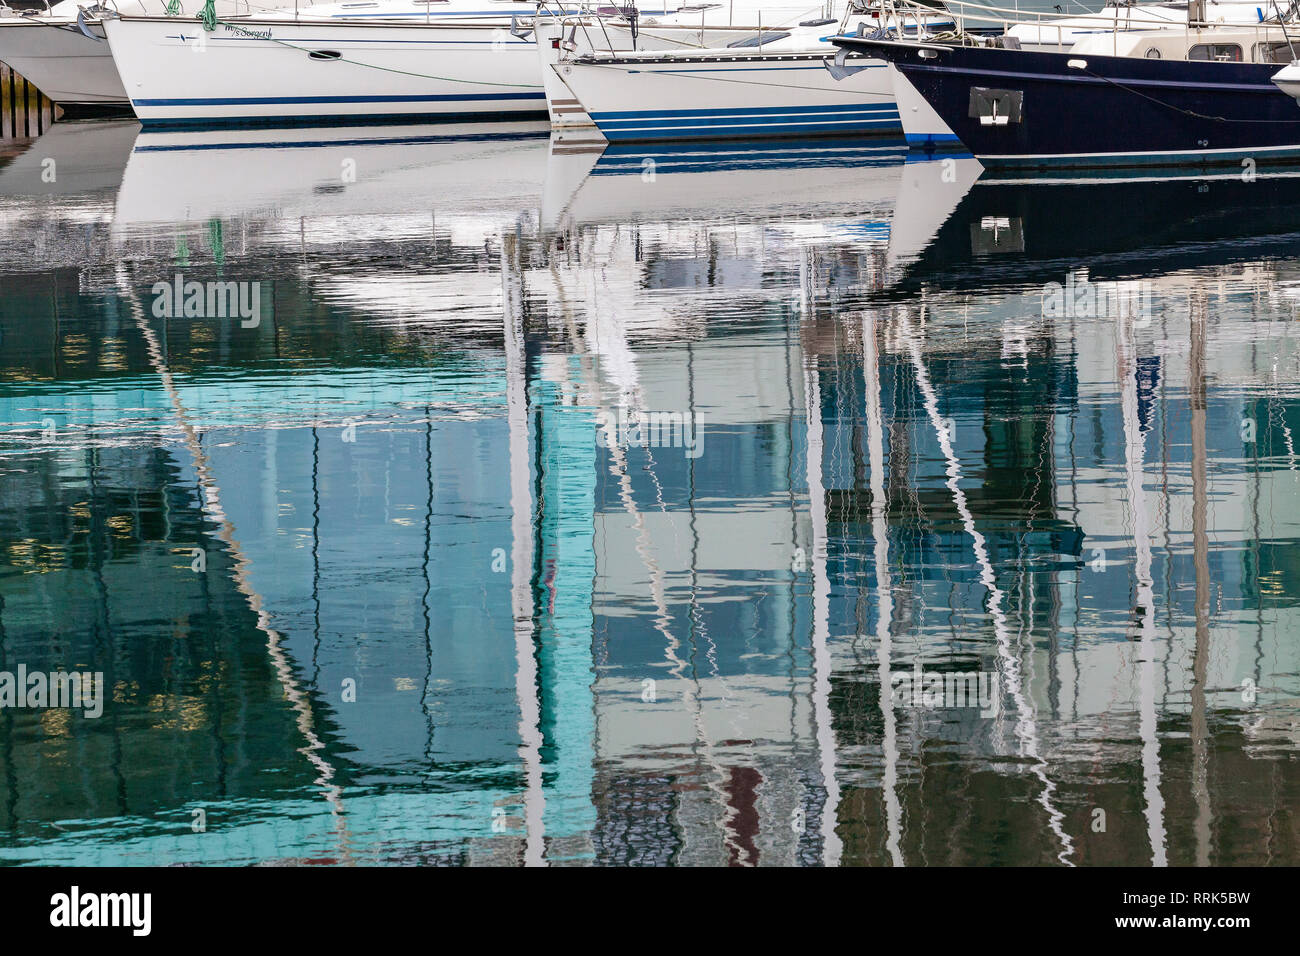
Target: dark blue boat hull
(1113, 111)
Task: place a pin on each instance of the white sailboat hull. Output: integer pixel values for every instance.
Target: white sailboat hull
(730, 96)
(61, 61)
(262, 72)
(559, 41)
(52, 52)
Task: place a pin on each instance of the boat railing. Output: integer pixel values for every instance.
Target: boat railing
(947, 21)
(178, 8)
(569, 22)
(591, 19)
(909, 18)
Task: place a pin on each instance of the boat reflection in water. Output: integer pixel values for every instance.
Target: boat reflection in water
(589, 181)
(990, 227)
(557, 514)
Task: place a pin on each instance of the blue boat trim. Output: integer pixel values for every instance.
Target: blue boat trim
(332, 120)
(357, 141)
(289, 100)
(625, 115)
(749, 122)
(710, 123)
(782, 131)
(925, 139)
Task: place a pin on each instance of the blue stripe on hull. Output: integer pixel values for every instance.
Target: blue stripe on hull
(319, 143)
(333, 120)
(751, 132)
(296, 100)
(926, 140)
(858, 107)
(756, 122)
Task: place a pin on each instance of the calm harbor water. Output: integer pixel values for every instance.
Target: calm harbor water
(552, 506)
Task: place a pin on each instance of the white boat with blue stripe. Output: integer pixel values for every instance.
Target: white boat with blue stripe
(59, 51)
(774, 86)
(363, 62)
(359, 62)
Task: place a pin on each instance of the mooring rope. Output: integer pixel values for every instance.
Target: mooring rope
(1179, 109)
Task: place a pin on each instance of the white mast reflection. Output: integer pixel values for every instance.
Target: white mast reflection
(884, 585)
(1200, 731)
(213, 509)
(1134, 460)
(1026, 728)
(521, 555)
(832, 848)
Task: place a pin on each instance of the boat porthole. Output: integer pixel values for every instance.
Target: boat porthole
(324, 55)
(1153, 54)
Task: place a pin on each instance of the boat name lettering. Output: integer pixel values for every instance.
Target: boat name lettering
(246, 32)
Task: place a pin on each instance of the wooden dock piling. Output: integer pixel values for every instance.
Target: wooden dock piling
(25, 112)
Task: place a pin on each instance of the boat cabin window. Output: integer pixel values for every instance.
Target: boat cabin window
(1273, 53)
(1227, 52)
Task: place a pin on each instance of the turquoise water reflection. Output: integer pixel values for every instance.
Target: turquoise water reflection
(391, 577)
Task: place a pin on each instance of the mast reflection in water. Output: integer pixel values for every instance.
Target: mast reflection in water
(644, 508)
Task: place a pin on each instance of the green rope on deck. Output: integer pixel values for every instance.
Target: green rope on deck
(208, 15)
(173, 7)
